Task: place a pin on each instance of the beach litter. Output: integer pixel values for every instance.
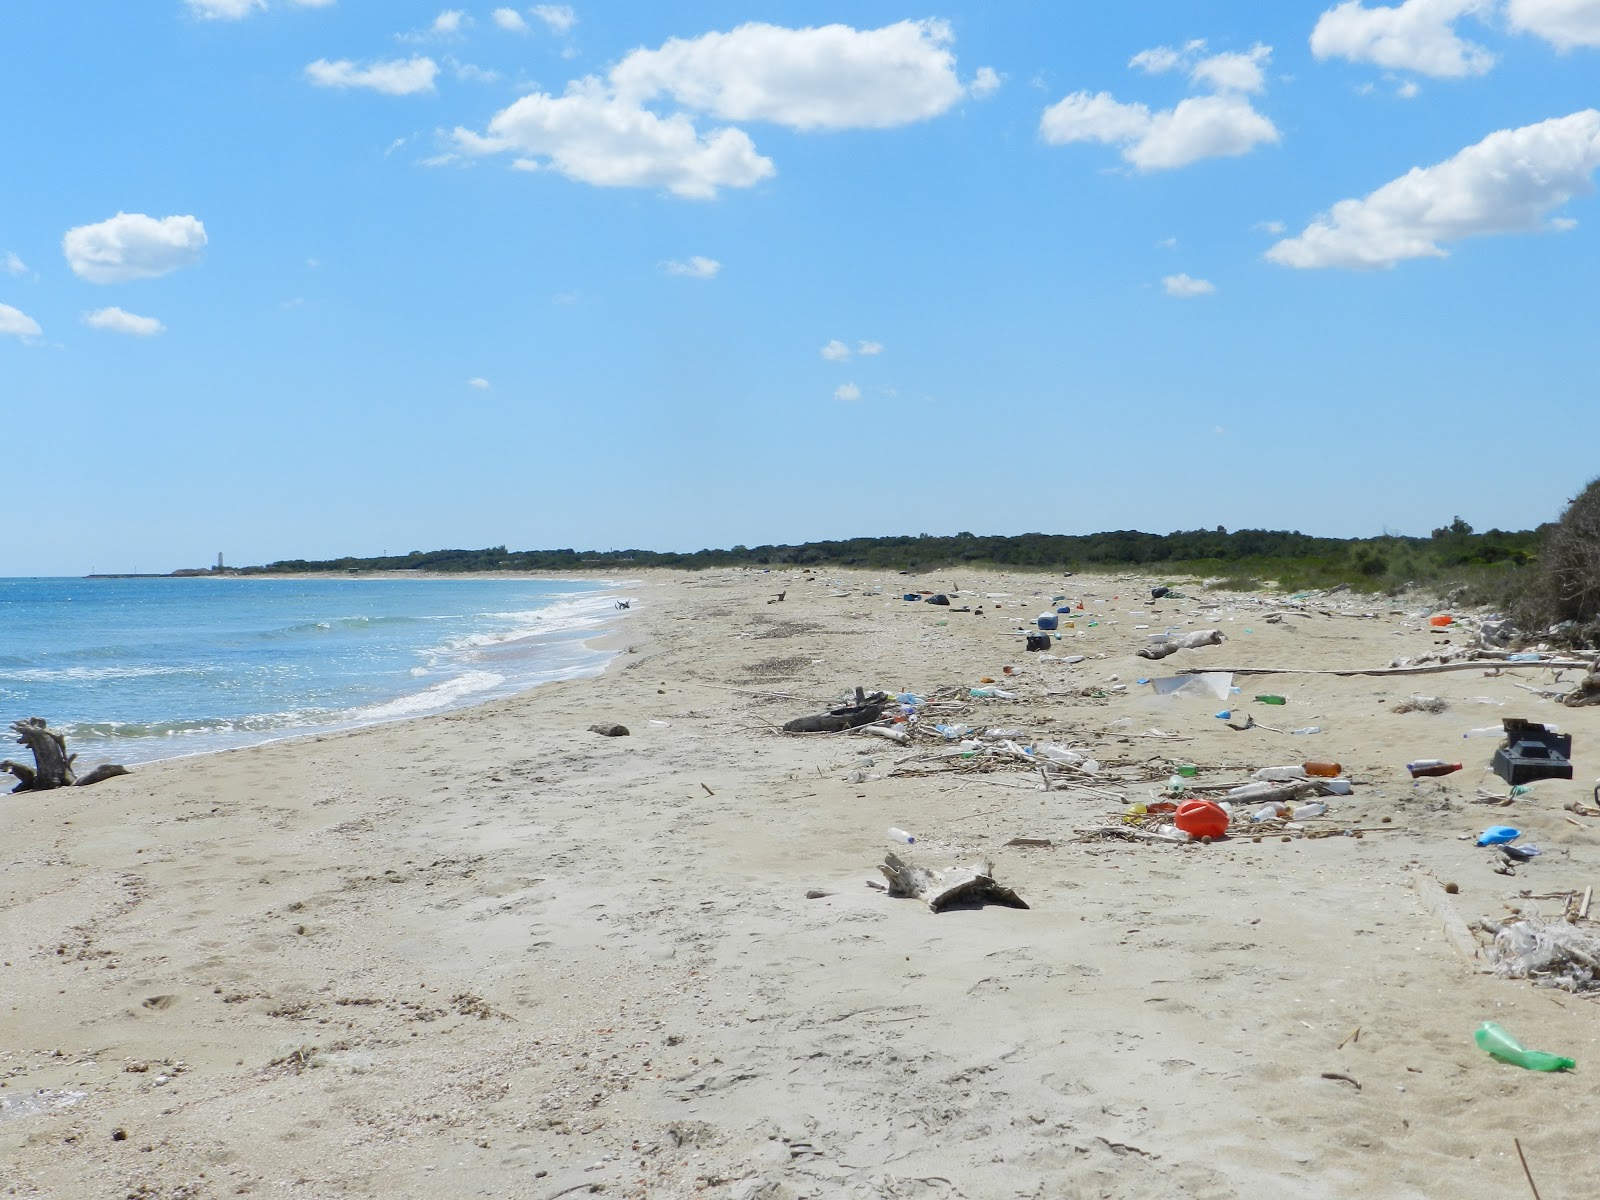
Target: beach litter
(1499, 1044)
(610, 729)
(967, 886)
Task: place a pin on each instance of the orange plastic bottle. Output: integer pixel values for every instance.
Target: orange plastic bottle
(1322, 770)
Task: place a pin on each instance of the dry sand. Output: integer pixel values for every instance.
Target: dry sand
(493, 954)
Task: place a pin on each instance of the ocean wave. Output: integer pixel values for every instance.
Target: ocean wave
(357, 622)
(445, 694)
(564, 616)
(91, 674)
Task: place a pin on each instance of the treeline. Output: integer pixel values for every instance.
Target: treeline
(1289, 558)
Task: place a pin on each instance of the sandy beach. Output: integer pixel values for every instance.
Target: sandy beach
(493, 954)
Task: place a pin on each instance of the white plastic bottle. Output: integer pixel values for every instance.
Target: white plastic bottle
(1494, 731)
(900, 835)
(1301, 812)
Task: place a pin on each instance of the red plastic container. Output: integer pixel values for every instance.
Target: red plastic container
(1441, 620)
(1201, 818)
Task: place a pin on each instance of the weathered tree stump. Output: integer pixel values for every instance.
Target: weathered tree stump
(52, 764)
(970, 885)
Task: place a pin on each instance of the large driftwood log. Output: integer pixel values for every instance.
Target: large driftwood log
(942, 889)
(52, 764)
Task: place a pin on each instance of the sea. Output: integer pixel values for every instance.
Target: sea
(137, 669)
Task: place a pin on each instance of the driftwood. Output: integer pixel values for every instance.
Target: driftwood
(1430, 669)
(970, 885)
(52, 764)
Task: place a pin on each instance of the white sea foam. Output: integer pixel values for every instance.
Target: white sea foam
(445, 694)
(88, 674)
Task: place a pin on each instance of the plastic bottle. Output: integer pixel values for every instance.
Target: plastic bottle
(1176, 786)
(1500, 1044)
(1271, 700)
(1302, 812)
(1250, 791)
(1188, 770)
(900, 835)
(1267, 812)
(1337, 787)
(1308, 729)
(1431, 766)
(1322, 770)
(1494, 731)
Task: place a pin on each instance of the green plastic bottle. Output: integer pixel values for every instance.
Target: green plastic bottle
(1271, 700)
(1502, 1045)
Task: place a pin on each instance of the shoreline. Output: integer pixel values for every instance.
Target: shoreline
(490, 953)
(606, 642)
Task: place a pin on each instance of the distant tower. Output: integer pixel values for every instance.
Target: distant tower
(219, 560)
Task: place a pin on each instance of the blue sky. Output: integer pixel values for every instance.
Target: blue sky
(284, 278)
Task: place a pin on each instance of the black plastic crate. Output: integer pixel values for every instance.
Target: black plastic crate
(1532, 752)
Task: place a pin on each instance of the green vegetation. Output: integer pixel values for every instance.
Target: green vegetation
(1486, 563)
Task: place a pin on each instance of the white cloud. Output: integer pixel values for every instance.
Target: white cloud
(17, 323)
(600, 130)
(448, 22)
(510, 20)
(868, 349)
(1186, 288)
(558, 17)
(590, 135)
(1221, 125)
(1197, 128)
(697, 267)
(1407, 89)
(1510, 182)
(1563, 23)
(985, 83)
(225, 10)
(1228, 72)
(1233, 72)
(117, 320)
(1273, 227)
(831, 77)
(480, 383)
(1417, 35)
(133, 246)
(12, 265)
(473, 74)
(836, 351)
(847, 392)
(397, 77)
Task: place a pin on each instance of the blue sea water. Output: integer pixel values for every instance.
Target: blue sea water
(134, 670)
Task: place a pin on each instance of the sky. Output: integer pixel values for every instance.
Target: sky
(304, 278)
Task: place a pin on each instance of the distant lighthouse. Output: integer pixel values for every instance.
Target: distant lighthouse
(219, 560)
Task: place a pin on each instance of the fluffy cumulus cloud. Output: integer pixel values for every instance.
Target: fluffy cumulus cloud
(510, 20)
(117, 320)
(1197, 128)
(1564, 23)
(831, 77)
(1417, 35)
(11, 264)
(133, 246)
(1508, 183)
(16, 323)
(225, 10)
(696, 267)
(238, 10)
(558, 18)
(396, 77)
(1186, 288)
(614, 131)
(868, 349)
(590, 135)
(836, 351)
(1221, 125)
(479, 383)
(847, 392)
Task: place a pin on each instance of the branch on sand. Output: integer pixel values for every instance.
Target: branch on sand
(52, 764)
